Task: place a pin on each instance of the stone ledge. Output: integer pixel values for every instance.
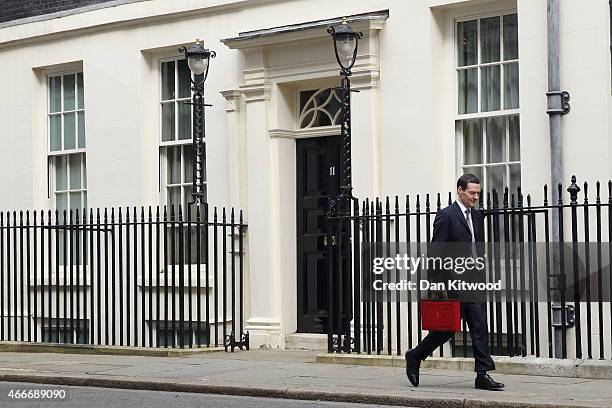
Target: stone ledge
(306, 341)
(19, 347)
(540, 366)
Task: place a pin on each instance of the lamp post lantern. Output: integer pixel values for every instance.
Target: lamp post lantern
(345, 47)
(198, 60)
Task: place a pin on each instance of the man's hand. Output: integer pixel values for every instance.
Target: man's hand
(438, 294)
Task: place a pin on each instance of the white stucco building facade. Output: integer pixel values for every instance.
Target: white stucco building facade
(411, 117)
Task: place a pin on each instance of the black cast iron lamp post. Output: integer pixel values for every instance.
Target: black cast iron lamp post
(345, 47)
(198, 60)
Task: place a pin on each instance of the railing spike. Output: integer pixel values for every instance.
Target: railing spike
(505, 197)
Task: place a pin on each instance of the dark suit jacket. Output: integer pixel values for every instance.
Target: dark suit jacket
(450, 226)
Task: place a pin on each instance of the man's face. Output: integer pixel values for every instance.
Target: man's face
(469, 196)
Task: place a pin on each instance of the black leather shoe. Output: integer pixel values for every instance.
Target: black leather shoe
(412, 367)
(485, 382)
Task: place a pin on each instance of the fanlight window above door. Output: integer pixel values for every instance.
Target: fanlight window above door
(319, 107)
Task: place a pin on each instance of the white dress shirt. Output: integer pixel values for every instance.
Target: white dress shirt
(464, 211)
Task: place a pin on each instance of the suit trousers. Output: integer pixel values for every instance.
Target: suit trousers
(474, 313)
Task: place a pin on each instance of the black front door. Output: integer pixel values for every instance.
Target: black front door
(318, 178)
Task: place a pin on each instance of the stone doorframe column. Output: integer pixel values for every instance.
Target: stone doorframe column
(262, 131)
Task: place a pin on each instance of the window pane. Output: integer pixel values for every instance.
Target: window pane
(74, 166)
(174, 165)
(333, 106)
(468, 91)
(515, 138)
(61, 203)
(322, 96)
(304, 98)
(167, 80)
(306, 121)
(472, 142)
(184, 84)
(496, 179)
(477, 171)
(69, 83)
(496, 140)
(510, 37)
(515, 177)
(80, 91)
(84, 160)
(511, 86)
(81, 120)
(188, 210)
(467, 51)
(55, 130)
(167, 122)
(61, 173)
(489, 39)
(69, 131)
(174, 198)
(188, 163)
(75, 201)
(490, 96)
(323, 119)
(184, 120)
(55, 94)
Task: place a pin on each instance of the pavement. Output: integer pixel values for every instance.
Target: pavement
(295, 374)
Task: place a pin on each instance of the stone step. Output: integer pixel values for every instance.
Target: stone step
(306, 341)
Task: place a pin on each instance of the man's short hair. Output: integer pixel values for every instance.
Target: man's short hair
(464, 180)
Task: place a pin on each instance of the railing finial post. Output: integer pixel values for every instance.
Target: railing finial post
(573, 189)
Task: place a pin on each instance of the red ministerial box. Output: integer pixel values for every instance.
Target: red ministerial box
(441, 315)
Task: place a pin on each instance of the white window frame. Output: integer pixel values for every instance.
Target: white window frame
(181, 143)
(503, 113)
(53, 155)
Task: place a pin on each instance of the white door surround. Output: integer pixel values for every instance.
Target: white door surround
(262, 115)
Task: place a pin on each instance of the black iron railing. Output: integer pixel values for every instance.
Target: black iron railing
(148, 277)
(556, 301)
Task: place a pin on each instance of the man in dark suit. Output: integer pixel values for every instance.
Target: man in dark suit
(460, 222)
